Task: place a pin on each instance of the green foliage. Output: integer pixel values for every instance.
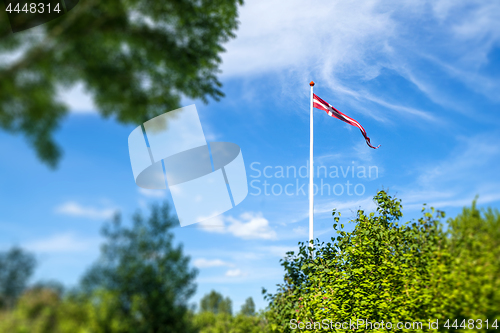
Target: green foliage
(145, 279)
(475, 274)
(215, 316)
(216, 303)
(209, 322)
(387, 271)
(44, 310)
(16, 267)
(136, 57)
(36, 312)
(382, 270)
(248, 308)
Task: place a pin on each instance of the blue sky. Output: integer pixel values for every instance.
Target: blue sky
(422, 77)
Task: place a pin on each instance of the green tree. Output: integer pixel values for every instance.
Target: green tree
(137, 58)
(216, 303)
(143, 274)
(16, 268)
(248, 308)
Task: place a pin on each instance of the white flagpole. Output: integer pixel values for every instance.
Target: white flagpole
(311, 171)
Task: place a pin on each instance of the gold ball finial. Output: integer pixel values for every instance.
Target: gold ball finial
(311, 84)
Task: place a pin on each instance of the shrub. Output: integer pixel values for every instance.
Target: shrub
(385, 271)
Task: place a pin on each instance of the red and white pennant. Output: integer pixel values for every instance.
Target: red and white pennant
(318, 103)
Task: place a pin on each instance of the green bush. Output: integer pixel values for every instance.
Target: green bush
(387, 271)
(209, 322)
(42, 309)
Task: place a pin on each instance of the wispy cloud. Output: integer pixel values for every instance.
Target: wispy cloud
(323, 206)
(72, 208)
(238, 276)
(300, 231)
(152, 193)
(206, 263)
(370, 39)
(469, 159)
(235, 273)
(464, 200)
(278, 251)
(455, 179)
(266, 44)
(62, 243)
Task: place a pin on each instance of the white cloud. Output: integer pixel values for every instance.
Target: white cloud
(478, 24)
(277, 35)
(323, 206)
(247, 226)
(215, 224)
(343, 44)
(454, 180)
(307, 42)
(471, 158)
(301, 231)
(251, 225)
(78, 100)
(228, 256)
(75, 209)
(258, 275)
(206, 263)
(234, 273)
(279, 251)
(62, 243)
(455, 202)
(152, 193)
